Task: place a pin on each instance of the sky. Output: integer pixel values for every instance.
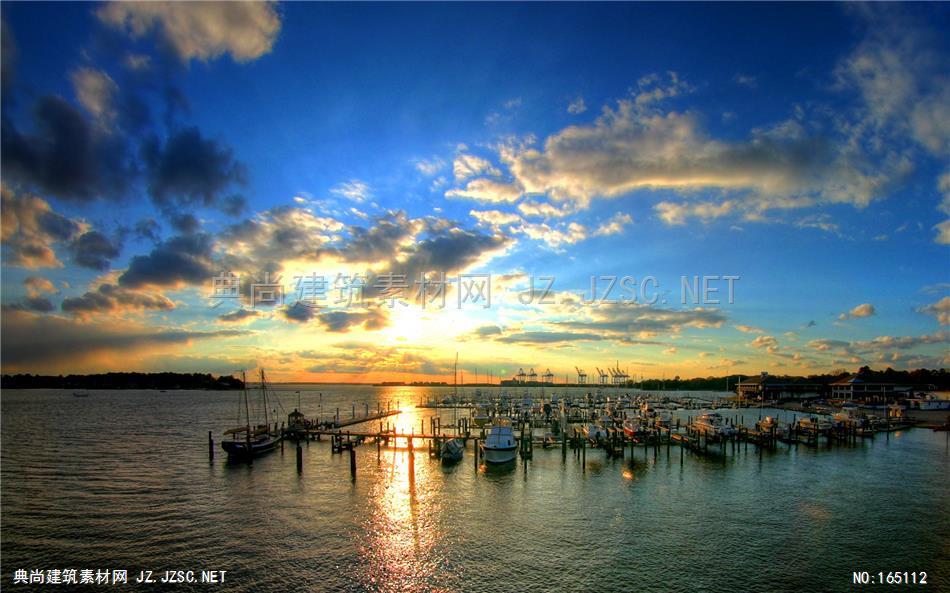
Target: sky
(206, 187)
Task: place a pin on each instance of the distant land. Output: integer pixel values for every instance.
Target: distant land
(122, 381)
(920, 378)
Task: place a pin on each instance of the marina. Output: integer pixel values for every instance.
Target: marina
(475, 297)
(379, 519)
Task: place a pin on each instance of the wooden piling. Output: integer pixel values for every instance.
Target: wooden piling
(210, 447)
(584, 455)
(299, 459)
(353, 463)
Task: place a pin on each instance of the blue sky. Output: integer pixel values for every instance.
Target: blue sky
(803, 147)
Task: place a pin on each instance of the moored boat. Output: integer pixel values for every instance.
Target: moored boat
(500, 446)
(245, 442)
(712, 424)
(452, 451)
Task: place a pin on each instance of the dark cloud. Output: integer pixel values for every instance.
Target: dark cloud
(148, 229)
(276, 235)
(184, 222)
(488, 330)
(39, 304)
(299, 313)
(344, 321)
(381, 241)
(621, 320)
(547, 337)
(239, 315)
(94, 250)
(192, 170)
(109, 298)
(184, 259)
(66, 155)
(48, 343)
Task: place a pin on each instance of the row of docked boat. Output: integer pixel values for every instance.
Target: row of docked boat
(499, 446)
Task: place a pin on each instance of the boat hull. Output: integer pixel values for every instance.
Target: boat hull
(241, 450)
(499, 455)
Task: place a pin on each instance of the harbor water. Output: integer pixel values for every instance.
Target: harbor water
(122, 480)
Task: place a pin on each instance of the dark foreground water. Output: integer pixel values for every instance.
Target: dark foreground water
(122, 480)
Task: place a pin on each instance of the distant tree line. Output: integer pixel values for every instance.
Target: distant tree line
(922, 378)
(122, 381)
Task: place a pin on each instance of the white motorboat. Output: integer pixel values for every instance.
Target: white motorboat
(814, 424)
(500, 446)
(712, 424)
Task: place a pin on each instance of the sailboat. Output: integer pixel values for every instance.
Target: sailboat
(245, 442)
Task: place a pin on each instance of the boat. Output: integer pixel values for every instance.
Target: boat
(597, 431)
(246, 442)
(500, 446)
(452, 451)
(81, 393)
(767, 425)
(481, 417)
(814, 424)
(712, 424)
(633, 429)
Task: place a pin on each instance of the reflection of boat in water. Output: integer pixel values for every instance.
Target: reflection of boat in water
(500, 445)
(249, 441)
(452, 451)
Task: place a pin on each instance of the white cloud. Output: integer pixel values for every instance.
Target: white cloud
(200, 30)
(543, 209)
(487, 190)
(430, 167)
(577, 106)
(354, 189)
(467, 165)
(95, 91)
(674, 213)
(630, 148)
(614, 226)
(769, 343)
(862, 310)
(940, 310)
(555, 237)
(749, 329)
(494, 217)
(746, 80)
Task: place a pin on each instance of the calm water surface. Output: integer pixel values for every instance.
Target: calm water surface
(122, 480)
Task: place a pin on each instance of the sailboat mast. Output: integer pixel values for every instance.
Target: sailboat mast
(264, 398)
(455, 378)
(247, 411)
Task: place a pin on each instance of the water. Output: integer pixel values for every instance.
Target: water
(122, 480)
